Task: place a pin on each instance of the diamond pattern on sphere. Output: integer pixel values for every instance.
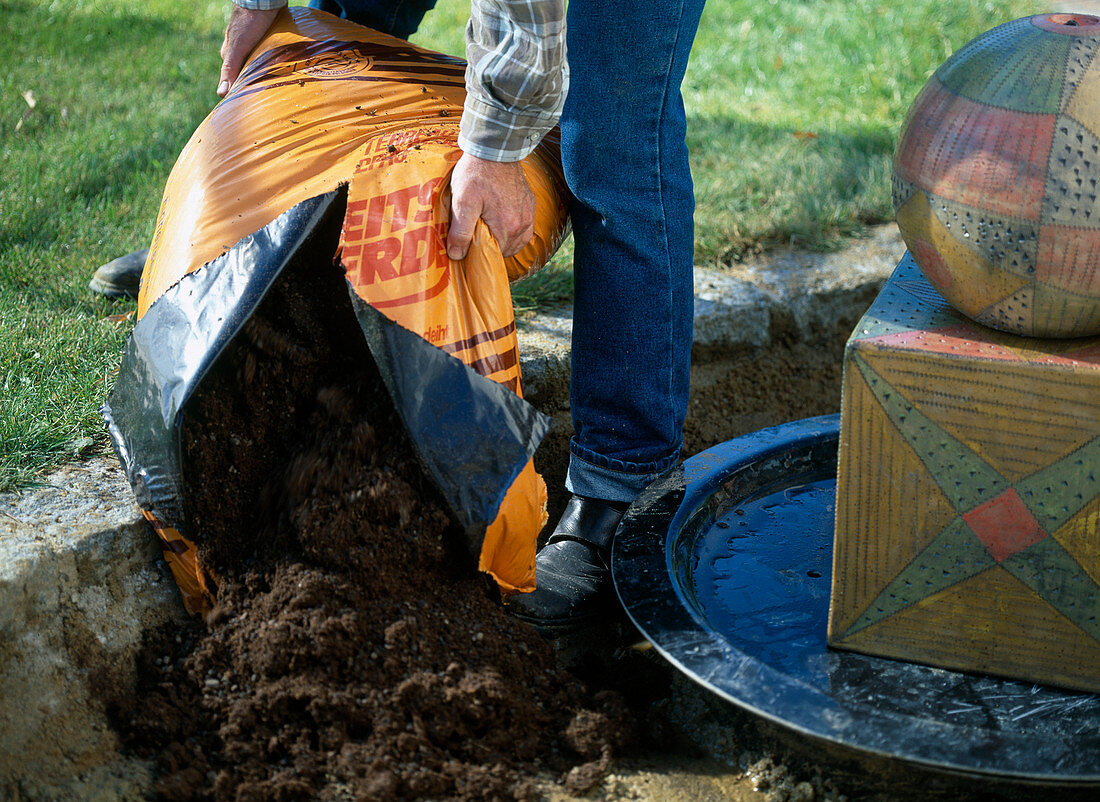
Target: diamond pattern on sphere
(1004, 525)
(1005, 140)
(1069, 260)
(901, 190)
(1010, 243)
(933, 264)
(1014, 55)
(1082, 80)
(939, 236)
(1054, 308)
(1012, 313)
(1073, 183)
(979, 155)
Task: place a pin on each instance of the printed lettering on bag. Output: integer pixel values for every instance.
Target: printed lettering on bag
(394, 149)
(380, 153)
(333, 60)
(336, 65)
(436, 334)
(393, 235)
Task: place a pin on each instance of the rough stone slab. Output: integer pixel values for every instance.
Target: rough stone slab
(817, 289)
(80, 584)
(789, 293)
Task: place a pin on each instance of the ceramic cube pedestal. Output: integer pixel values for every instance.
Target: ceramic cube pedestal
(968, 494)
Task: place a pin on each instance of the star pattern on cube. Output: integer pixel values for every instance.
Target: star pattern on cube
(998, 525)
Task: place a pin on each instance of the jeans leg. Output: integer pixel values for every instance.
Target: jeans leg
(626, 164)
(398, 18)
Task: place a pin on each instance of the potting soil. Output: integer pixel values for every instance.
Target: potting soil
(354, 652)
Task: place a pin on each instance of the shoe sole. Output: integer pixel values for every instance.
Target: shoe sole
(574, 642)
(556, 629)
(111, 290)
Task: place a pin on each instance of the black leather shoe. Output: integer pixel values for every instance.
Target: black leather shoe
(121, 277)
(573, 570)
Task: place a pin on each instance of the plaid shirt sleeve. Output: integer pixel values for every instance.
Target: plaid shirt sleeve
(261, 5)
(517, 76)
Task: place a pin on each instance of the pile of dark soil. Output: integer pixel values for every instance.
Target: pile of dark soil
(354, 651)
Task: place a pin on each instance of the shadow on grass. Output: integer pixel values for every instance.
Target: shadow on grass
(761, 186)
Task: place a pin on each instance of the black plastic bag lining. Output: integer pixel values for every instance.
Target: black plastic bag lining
(472, 435)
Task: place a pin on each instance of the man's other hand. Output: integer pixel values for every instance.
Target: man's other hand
(496, 192)
(246, 28)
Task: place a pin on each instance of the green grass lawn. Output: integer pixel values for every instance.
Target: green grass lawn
(793, 109)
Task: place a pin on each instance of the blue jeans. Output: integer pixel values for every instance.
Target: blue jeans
(626, 163)
(396, 17)
(632, 203)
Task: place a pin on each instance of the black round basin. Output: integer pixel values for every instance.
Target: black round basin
(725, 566)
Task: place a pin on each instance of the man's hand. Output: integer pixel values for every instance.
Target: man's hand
(246, 28)
(496, 192)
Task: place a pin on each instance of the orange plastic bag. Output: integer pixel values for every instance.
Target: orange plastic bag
(323, 102)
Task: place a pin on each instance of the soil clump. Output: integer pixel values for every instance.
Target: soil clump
(354, 651)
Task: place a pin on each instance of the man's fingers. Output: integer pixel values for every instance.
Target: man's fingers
(496, 192)
(461, 232)
(229, 73)
(231, 65)
(246, 28)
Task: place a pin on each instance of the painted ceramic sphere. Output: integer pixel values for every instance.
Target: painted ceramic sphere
(997, 177)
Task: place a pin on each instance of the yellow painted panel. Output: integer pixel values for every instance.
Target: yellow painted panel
(1018, 416)
(1080, 536)
(891, 507)
(991, 623)
(1082, 105)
